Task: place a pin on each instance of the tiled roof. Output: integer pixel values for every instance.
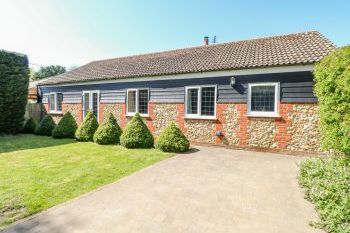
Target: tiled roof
(292, 49)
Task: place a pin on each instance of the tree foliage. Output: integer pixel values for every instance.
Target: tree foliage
(30, 126)
(87, 129)
(332, 76)
(108, 132)
(14, 80)
(136, 134)
(172, 139)
(48, 71)
(66, 127)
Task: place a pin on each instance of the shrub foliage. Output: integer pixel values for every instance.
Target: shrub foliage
(136, 134)
(172, 139)
(87, 129)
(45, 126)
(108, 132)
(332, 88)
(327, 186)
(14, 79)
(66, 127)
(30, 126)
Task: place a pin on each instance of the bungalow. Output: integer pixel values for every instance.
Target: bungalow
(254, 93)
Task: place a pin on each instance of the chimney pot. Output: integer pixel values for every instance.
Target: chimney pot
(206, 40)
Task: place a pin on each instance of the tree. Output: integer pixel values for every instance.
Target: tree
(332, 76)
(87, 129)
(14, 80)
(172, 139)
(48, 71)
(108, 132)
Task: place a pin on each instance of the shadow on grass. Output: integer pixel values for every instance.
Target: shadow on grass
(11, 143)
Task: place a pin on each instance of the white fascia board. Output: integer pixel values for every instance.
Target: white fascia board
(267, 70)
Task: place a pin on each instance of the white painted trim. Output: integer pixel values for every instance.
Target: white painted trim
(55, 102)
(277, 99)
(198, 115)
(127, 113)
(91, 102)
(267, 70)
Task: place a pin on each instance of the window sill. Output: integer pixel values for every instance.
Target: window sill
(133, 114)
(263, 116)
(200, 118)
(56, 113)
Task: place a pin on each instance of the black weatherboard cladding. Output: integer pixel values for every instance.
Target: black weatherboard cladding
(295, 87)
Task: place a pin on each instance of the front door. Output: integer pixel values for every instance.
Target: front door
(90, 102)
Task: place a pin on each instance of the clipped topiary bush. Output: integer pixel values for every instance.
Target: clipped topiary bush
(66, 127)
(108, 132)
(172, 139)
(332, 76)
(45, 126)
(87, 129)
(14, 79)
(30, 126)
(136, 134)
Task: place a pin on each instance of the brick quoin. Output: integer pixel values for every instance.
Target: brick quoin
(101, 109)
(243, 122)
(180, 116)
(150, 119)
(282, 137)
(122, 116)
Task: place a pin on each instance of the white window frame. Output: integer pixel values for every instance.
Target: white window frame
(55, 111)
(137, 102)
(277, 99)
(199, 104)
(91, 103)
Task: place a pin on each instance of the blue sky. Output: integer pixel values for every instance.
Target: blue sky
(68, 32)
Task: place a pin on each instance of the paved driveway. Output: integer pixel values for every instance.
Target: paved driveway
(210, 190)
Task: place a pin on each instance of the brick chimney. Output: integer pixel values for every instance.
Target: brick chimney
(206, 40)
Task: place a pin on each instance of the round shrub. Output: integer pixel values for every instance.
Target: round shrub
(109, 132)
(136, 134)
(86, 130)
(66, 127)
(172, 139)
(332, 76)
(45, 126)
(29, 126)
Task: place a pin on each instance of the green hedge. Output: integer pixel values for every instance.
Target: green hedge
(30, 126)
(327, 183)
(87, 129)
(172, 139)
(108, 132)
(45, 126)
(14, 79)
(66, 127)
(332, 76)
(136, 134)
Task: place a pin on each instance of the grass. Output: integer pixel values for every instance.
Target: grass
(38, 172)
(327, 184)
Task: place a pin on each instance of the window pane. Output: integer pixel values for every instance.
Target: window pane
(131, 101)
(86, 103)
(52, 102)
(94, 103)
(208, 101)
(143, 101)
(59, 101)
(263, 98)
(192, 101)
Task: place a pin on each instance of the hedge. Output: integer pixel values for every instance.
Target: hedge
(45, 126)
(66, 127)
(30, 126)
(87, 129)
(171, 139)
(136, 134)
(332, 88)
(108, 132)
(14, 80)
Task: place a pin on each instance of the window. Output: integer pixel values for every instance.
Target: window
(137, 101)
(263, 99)
(91, 100)
(55, 102)
(200, 101)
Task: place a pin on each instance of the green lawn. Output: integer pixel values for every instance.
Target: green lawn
(38, 172)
